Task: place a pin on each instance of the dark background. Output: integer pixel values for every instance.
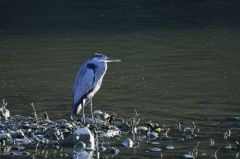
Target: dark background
(27, 16)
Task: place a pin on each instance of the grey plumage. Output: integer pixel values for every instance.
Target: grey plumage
(88, 81)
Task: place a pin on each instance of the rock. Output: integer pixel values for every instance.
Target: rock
(17, 134)
(188, 156)
(152, 135)
(97, 112)
(4, 136)
(123, 126)
(20, 153)
(142, 130)
(102, 148)
(80, 145)
(128, 143)
(67, 126)
(169, 147)
(237, 118)
(101, 114)
(111, 133)
(155, 149)
(187, 129)
(84, 135)
(112, 150)
(82, 154)
(105, 115)
(155, 143)
(23, 141)
(229, 147)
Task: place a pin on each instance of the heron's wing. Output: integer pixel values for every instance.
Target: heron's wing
(84, 82)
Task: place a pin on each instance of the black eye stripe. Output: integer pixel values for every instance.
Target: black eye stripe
(91, 66)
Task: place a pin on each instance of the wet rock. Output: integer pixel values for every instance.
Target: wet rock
(61, 121)
(84, 135)
(155, 149)
(105, 115)
(142, 130)
(229, 147)
(237, 118)
(97, 112)
(112, 150)
(68, 126)
(101, 114)
(80, 145)
(83, 154)
(155, 143)
(111, 133)
(187, 156)
(56, 145)
(128, 143)
(4, 136)
(23, 141)
(124, 127)
(187, 129)
(169, 147)
(102, 148)
(17, 134)
(152, 135)
(42, 139)
(54, 133)
(19, 153)
(17, 148)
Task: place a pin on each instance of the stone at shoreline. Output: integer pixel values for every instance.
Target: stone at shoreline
(81, 135)
(128, 143)
(142, 130)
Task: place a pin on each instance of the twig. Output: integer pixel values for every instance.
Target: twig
(34, 112)
(215, 153)
(195, 150)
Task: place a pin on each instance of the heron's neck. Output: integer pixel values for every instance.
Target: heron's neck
(101, 68)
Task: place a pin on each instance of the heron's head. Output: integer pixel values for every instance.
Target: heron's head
(104, 58)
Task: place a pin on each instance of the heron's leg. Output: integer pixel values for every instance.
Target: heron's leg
(91, 109)
(83, 113)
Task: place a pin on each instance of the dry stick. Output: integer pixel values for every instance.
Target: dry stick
(34, 112)
(237, 155)
(215, 154)
(195, 148)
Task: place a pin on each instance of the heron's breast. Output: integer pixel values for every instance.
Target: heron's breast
(95, 89)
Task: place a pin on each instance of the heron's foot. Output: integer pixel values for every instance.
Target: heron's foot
(93, 119)
(83, 120)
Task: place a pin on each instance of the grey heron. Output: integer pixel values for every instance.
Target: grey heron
(88, 81)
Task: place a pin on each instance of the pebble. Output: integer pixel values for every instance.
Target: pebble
(128, 143)
(142, 130)
(153, 135)
(188, 156)
(155, 149)
(155, 143)
(169, 147)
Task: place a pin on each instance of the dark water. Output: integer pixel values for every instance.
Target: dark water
(181, 61)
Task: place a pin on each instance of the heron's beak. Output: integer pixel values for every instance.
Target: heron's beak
(113, 60)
